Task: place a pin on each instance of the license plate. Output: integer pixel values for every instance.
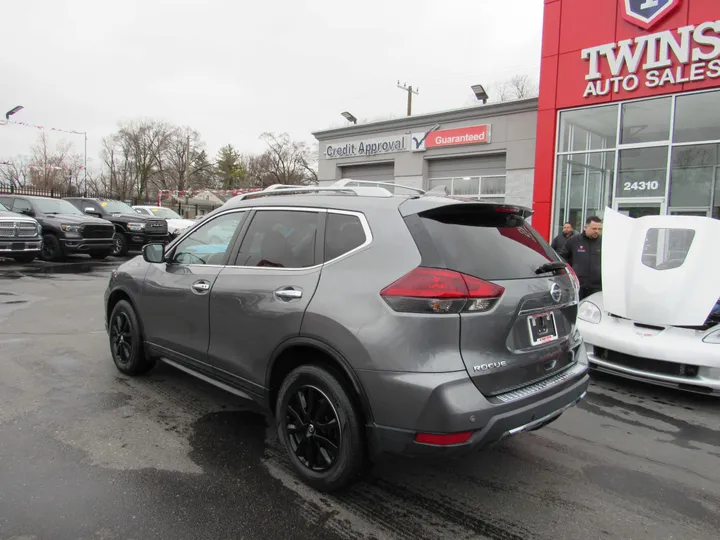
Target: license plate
(542, 328)
(18, 246)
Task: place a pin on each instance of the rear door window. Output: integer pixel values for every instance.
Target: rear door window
(280, 239)
(343, 233)
(480, 241)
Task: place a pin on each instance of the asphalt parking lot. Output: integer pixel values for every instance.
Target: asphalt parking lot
(86, 453)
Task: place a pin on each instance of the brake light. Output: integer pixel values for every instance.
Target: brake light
(573, 277)
(443, 439)
(437, 290)
(508, 209)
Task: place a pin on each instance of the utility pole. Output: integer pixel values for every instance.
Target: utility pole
(410, 92)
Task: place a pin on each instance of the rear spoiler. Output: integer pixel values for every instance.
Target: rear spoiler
(430, 201)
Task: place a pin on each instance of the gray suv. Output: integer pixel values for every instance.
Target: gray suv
(368, 323)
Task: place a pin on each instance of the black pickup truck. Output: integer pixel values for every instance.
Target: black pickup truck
(65, 230)
(132, 230)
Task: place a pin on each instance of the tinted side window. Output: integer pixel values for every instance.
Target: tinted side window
(21, 204)
(209, 243)
(281, 239)
(343, 233)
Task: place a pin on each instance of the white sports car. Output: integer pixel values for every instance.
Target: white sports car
(658, 317)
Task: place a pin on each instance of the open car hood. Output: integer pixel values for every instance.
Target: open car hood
(662, 270)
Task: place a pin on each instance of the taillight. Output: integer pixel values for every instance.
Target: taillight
(573, 277)
(436, 290)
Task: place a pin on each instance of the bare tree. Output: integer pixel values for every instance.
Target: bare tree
(48, 167)
(284, 162)
(517, 87)
(16, 172)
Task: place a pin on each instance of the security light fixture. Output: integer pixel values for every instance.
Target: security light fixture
(13, 111)
(480, 93)
(349, 117)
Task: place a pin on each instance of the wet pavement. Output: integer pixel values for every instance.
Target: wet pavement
(87, 453)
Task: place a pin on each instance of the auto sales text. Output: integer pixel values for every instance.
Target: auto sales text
(661, 58)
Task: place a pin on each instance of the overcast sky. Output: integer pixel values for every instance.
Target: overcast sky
(233, 69)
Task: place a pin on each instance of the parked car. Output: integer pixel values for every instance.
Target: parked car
(65, 230)
(176, 223)
(370, 324)
(132, 230)
(20, 236)
(658, 317)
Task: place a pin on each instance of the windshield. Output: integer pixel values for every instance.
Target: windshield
(165, 213)
(117, 207)
(55, 206)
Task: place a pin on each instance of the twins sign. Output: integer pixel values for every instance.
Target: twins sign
(667, 58)
(647, 13)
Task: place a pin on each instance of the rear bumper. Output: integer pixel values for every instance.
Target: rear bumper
(87, 245)
(457, 406)
(11, 248)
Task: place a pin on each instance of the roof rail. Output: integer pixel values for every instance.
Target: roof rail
(346, 181)
(377, 192)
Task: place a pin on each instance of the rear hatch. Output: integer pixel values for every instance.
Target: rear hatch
(517, 322)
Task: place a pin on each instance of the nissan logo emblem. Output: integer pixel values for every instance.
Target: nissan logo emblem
(555, 292)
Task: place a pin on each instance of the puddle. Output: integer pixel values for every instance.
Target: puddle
(40, 270)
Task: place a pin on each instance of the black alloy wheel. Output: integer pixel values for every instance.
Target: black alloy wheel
(126, 341)
(121, 337)
(320, 427)
(313, 428)
(120, 246)
(51, 249)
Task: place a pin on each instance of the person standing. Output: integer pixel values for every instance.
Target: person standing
(584, 253)
(559, 241)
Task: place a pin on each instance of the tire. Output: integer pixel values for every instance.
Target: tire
(126, 341)
(52, 249)
(120, 245)
(24, 258)
(330, 400)
(100, 256)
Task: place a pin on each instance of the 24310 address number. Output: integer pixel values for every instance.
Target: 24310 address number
(653, 185)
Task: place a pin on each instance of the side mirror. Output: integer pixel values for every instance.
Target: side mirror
(154, 253)
(28, 211)
(90, 210)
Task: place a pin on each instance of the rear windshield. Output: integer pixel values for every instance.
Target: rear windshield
(479, 241)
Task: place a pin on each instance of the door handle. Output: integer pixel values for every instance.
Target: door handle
(288, 294)
(201, 287)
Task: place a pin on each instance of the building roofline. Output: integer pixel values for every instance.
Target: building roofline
(464, 113)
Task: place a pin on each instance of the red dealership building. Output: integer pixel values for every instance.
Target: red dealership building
(629, 110)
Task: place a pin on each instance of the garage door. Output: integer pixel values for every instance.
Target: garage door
(380, 172)
(482, 177)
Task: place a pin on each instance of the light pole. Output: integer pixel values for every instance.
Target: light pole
(12, 111)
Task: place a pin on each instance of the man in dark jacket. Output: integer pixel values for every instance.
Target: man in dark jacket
(559, 241)
(584, 253)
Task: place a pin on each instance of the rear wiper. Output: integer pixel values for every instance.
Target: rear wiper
(551, 267)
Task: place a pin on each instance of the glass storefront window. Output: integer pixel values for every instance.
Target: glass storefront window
(492, 185)
(697, 117)
(646, 121)
(638, 164)
(642, 172)
(692, 177)
(594, 128)
(490, 188)
(468, 185)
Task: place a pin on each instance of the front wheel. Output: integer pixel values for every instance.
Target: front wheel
(320, 428)
(126, 344)
(120, 245)
(52, 249)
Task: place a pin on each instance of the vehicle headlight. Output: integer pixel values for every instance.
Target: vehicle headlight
(71, 228)
(589, 312)
(39, 229)
(136, 227)
(713, 337)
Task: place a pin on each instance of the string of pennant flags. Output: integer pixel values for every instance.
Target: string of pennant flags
(72, 131)
(49, 167)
